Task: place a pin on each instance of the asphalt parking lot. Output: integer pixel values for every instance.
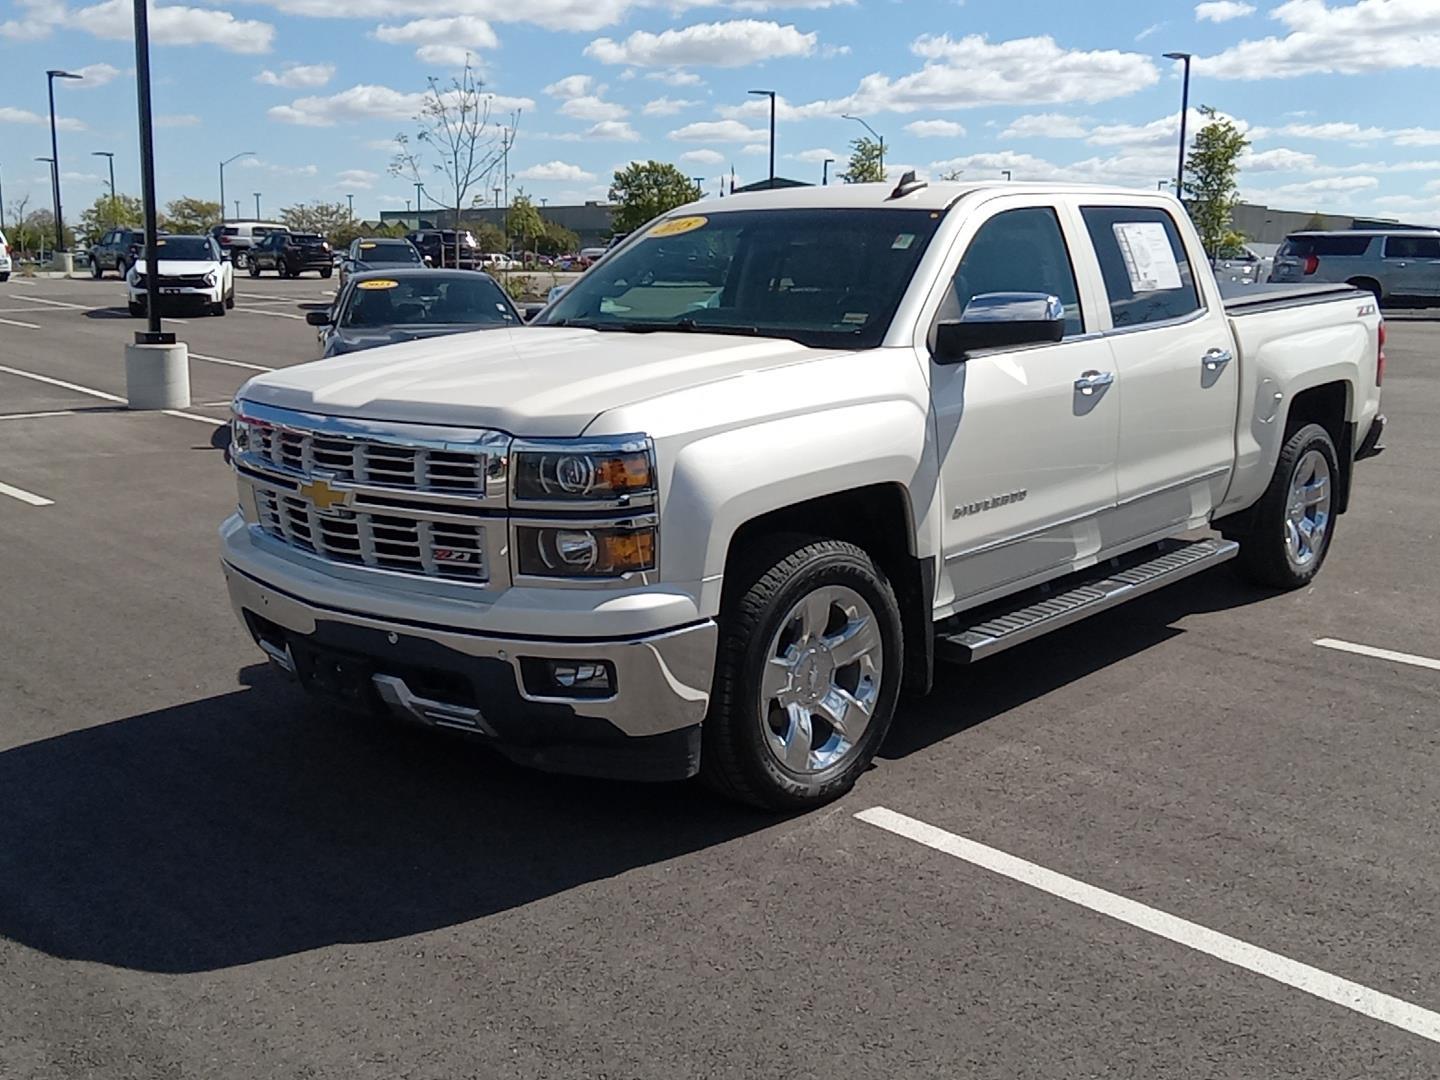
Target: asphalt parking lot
(1178, 840)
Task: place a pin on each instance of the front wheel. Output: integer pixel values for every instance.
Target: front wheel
(327, 271)
(1294, 521)
(230, 299)
(137, 311)
(254, 268)
(808, 673)
(96, 270)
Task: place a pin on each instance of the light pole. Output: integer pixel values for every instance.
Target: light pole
(257, 205)
(50, 77)
(1161, 185)
(825, 171)
(771, 95)
(51, 163)
(878, 138)
(1005, 173)
(1184, 115)
(351, 200)
(2, 206)
(699, 185)
(110, 157)
(227, 161)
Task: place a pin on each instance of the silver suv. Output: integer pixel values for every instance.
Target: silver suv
(1394, 264)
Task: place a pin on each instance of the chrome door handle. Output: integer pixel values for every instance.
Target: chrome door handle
(1091, 381)
(1216, 359)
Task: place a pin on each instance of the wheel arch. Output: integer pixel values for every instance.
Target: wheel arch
(1328, 404)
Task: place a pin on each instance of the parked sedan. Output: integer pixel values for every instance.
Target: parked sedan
(291, 254)
(382, 307)
(378, 254)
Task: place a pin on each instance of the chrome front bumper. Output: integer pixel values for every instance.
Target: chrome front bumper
(661, 682)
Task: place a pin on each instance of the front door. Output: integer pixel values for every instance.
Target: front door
(1179, 381)
(1027, 436)
(1412, 265)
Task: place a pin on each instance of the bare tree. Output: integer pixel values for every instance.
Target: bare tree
(454, 125)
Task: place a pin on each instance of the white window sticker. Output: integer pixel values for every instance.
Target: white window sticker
(1149, 261)
(903, 242)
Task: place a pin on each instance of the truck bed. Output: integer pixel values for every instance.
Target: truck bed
(1243, 299)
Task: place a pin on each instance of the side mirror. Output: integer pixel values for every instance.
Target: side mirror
(429, 260)
(318, 318)
(224, 256)
(1000, 320)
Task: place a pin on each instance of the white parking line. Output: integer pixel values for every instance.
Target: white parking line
(230, 363)
(25, 496)
(1241, 954)
(22, 325)
(194, 416)
(61, 304)
(272, 314)
(61, 382)
(1379, 654)
(36, 415)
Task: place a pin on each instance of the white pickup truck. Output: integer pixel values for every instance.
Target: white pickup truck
(773, 457)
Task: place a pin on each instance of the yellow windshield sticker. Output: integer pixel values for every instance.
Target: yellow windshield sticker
(366, 247)
(377, 283)
(676, 226)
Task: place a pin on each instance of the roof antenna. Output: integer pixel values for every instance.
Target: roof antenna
(908, 185)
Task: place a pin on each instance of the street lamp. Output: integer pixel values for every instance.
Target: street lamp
(351, 200)
(1184, 115)
(1005, 173)
(227, 161)
(257, 205)
(50, 77)
(771, 95)
(825, 171)
(110, 157)
(878, 138)
(699, 182)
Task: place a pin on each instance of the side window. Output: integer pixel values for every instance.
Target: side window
(1412, 247)
(1147, 275)
(1016, 251)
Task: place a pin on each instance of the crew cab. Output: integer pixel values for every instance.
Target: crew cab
(773, 457)
(193, 272)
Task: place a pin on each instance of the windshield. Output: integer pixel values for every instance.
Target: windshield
(430, 299)
(393, 251)
(821, 277)
(186, 247)
(306, 239)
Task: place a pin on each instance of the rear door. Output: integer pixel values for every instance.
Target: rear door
(1178, 380)
(1412, 265)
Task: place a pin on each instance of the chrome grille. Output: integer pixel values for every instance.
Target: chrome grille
(393, 540)
(363, 461)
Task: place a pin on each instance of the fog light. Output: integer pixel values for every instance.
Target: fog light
(568, 678)
(573, 676)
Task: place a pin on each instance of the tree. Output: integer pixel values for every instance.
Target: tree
(488, 237)
(526, 224)
(330, 220)
(35, 231)
(866, 162)
(454, 125)
(1210, 174)
(123, 211)
(556, 240)
(18, 234)
(191, 215)
(642, 192)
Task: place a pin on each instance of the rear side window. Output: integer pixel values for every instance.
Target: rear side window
(1412, 247)
(1016, 251)
(1147, 274)
(1303, 246)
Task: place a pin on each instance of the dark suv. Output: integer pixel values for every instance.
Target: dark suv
(117, 250)
(437, 248)
(291, 254)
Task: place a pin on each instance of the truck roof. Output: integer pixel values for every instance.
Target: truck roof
(935, 195)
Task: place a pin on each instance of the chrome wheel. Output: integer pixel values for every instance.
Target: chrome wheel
(821, 681)
(1307, 516)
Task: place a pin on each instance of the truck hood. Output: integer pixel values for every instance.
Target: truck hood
(537, 381)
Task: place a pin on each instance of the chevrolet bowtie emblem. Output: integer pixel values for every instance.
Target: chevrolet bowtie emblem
(323, 496)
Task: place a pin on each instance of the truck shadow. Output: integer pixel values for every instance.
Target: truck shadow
(250, 826)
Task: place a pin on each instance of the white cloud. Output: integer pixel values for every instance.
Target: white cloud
(935, 129)
(1353, 39)
(1341, 131)
(590, 107)
(665, 106)
(573, 86)
(1219, 11)
(441, 42)
(1044, 126)
(571, 15)
(676, 77)
(756, 149)
(91, 76)
(718, 131)
(1310, 192)
(177, 120)
(1280, 159)
(12, 115)
(445, 56)
(278, 170)
(702, 157)
(363, 179)
(297, 76)
(555, 170)
(1150, 31)
(816, 155)
(370, 102)
(174, 24)
(608, 130)
(724, 44)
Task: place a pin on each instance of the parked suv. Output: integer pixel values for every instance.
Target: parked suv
(117, 250)
(291, 254)
(4, 258)
(1394, 264)
(437, 247)
(238, 237)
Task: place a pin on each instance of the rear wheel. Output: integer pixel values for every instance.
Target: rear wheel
(327, 271)
(808, 674)
(1294, 522)
(1370, 285)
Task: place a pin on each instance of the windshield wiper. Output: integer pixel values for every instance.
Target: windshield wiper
(583, 324)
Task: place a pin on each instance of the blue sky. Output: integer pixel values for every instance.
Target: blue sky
(1338, 97)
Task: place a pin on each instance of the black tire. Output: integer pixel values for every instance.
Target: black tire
(1370, 285)
(96, 270)
(254, 268)
(1265, 550)
(4, 277)
(230, 299)
(325, 273)
(137, 311)
(218, 309)
(736, 760)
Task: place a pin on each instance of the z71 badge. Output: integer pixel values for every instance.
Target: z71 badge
(992, 503)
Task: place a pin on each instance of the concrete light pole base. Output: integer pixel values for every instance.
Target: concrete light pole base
(157, 376)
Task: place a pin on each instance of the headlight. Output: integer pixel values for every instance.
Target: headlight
(246, 433)
(582, 551)
(210, 278)
(597, 472)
